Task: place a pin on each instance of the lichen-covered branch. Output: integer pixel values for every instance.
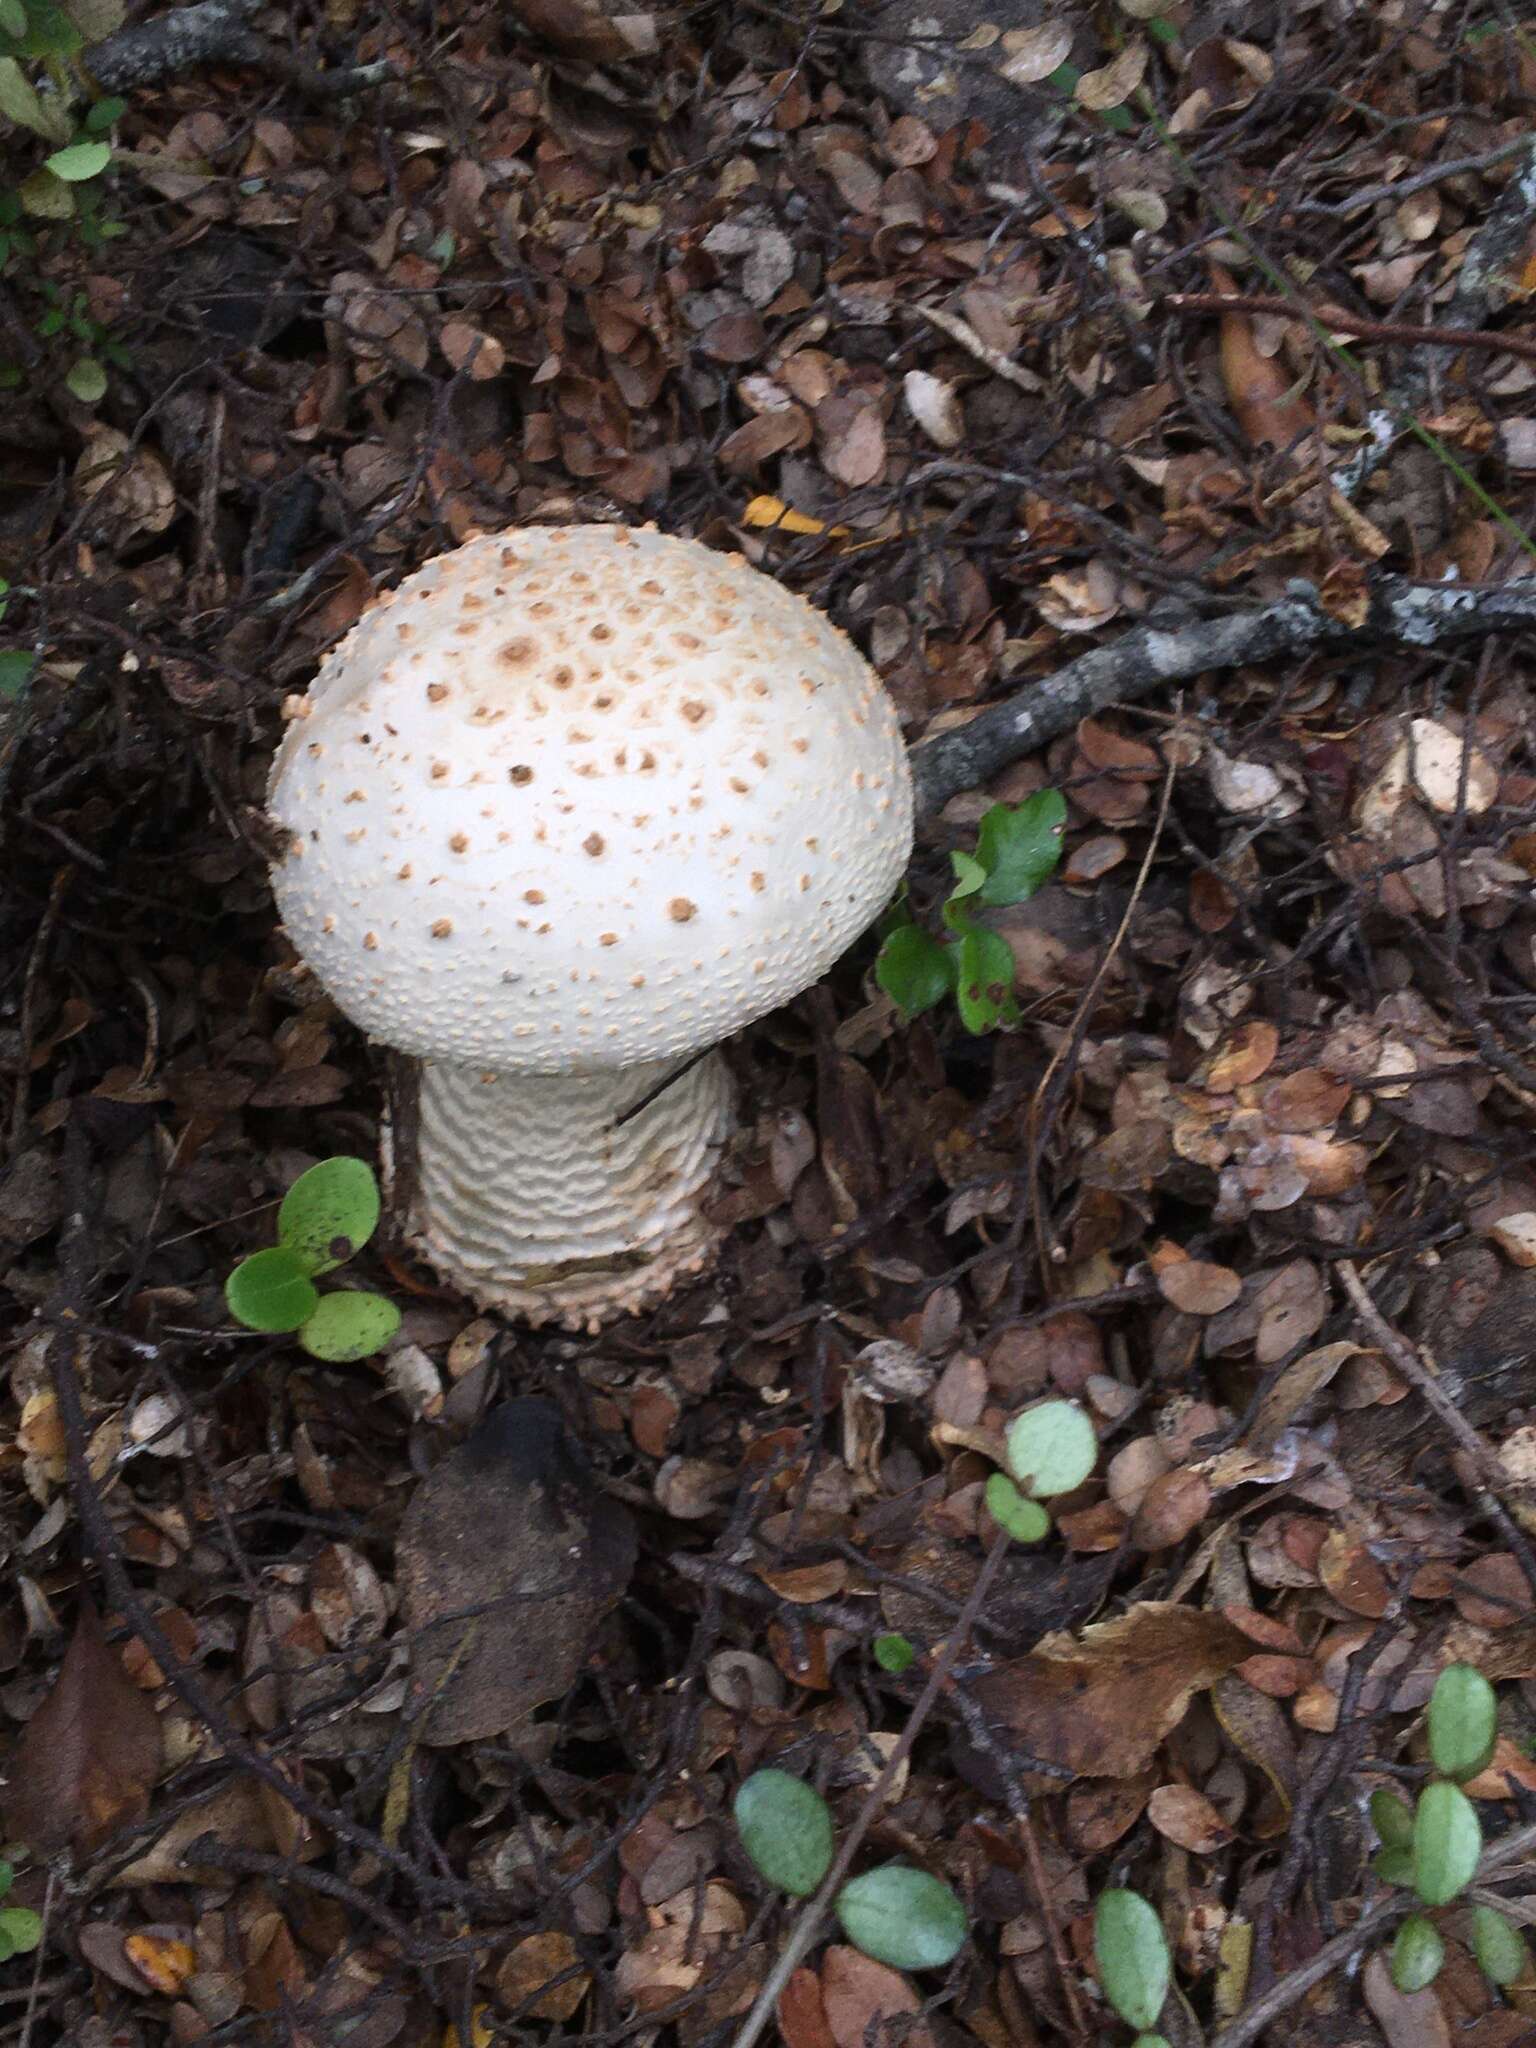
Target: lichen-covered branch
(1401, 614)
(176, 41)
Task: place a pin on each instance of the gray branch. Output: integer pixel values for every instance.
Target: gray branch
(1402, 614)
(155, 49)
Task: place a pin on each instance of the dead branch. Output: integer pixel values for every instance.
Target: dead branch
(1479, 286)
(214, 31)
(186, 36)
(1338, 321)
(1402, 614)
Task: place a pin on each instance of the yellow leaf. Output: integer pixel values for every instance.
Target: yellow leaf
(453, 2033)
(765, 511)
(46, 197)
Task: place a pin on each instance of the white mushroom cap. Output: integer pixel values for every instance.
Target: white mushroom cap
(578, 797)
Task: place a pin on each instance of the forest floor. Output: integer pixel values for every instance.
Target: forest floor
(921, 319)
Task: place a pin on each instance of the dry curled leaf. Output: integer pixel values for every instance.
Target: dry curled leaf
(1100, 1705)
(1197, 1287)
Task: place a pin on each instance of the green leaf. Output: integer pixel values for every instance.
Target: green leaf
(1132, 1954)
(7, 1946)
(1394, 1866)
(1392, 1818)
(1052, 1448)
(22, 1928)
(13, 19)
(1499, 1947)
(1463, 1721)
(914, 970)
(1025, 1520)
(1417, 1954)
(46, 197)
(80, 161)
(786, 1828)
(903, 1917)
(348, 1326)
(271, 1291)
(87, 380)
(50, 32)
(329, 1213)
(96, 19)
(1447, 1841)
(1150, 2041)
(7, 1877)
(895, 1654)
(984, 979)
(1019, 846)
(19, 102)
(104, 115)
(16, 665)
(970, 876)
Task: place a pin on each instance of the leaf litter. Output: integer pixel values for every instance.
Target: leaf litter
(380, 1675)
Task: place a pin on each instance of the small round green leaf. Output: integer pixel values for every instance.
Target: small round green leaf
(914, 970)
(1463, 1721)
(786, 1829)
(1131, 1950)
(104, 114)
(22, 1928)
(903, 1917)
(1025, 1520)
(7, 1876)
(346, 1326)
(81, 160)
(271, 1291)
(1019, 846)
(329, 1213)
(16, 665)
(1052, 1448)
(1392, 1818)
(87, 380)
(7, 1946)
(1394, 1866)
(1417, 1954)
(1447, 1842)
(46, 197)
(984, 970)
(13, 19)
(1499, 1947)
(895, 1654)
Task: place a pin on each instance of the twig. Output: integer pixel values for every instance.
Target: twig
(1401, 613)
(1343, 1948)
(1490, 1473)
(34, 1989)
(811, 1915)
(1435, 174)
(1338, 321)
(1495, 245)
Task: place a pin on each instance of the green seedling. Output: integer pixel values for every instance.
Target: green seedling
(21, 1931)
(895, 1653)
(57, 204)
(1017, 848)
(897, 1914)
(328, 1214)
(1052, 1448)
(1433, 1847)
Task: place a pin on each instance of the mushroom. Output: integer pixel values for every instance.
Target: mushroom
(562, 812)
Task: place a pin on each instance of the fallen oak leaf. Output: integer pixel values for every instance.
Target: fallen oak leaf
(1100, 1704)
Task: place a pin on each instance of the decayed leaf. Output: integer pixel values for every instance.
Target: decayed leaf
(528, 1601)
(1113, 84)
(861, 1998)
(90, 1754)
(1197, 1287)
(535, 1963)
(1260, 389)
(1034, 53)
(1102, 1704)
(1187, 1817)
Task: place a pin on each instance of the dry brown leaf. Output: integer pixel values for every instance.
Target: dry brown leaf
(1244, 1057)
(1199, 1288)
(1034, 53)
(861, 1997)
(1100, 1705)
(1174, 1504)
(535, 1963)
(801, 2014)
(1260, 389)
(1188, 1818)
(1112, 84)
(90, 1754)
(851, 434)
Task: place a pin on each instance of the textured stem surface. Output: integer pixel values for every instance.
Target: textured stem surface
(536, 1196)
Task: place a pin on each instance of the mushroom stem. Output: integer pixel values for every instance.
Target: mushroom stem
(536, 1195)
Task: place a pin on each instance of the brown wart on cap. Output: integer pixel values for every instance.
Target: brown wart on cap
(679, 898)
